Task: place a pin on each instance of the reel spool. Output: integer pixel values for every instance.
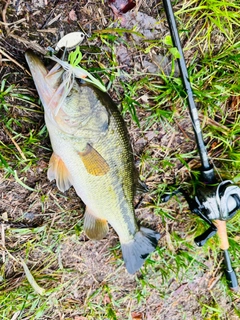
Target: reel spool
(221, 202)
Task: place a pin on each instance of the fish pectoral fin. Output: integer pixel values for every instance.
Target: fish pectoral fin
(94, 163)
(95, 228)
(58, 171)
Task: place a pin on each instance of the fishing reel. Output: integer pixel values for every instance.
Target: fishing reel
(212, 203)
(221, 202)
(215, 205)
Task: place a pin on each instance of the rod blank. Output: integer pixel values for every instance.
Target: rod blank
(187, 86)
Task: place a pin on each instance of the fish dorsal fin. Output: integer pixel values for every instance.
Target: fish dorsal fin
(94, 162)
(94, 228)
(58, 171)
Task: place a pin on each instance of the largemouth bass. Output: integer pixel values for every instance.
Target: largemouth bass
(92, 153)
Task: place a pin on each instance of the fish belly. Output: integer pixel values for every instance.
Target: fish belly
(104, 196)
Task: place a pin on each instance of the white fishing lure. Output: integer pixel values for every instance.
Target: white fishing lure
(70, 41)
(72, 68)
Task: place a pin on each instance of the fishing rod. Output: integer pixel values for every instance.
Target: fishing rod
(214, 202)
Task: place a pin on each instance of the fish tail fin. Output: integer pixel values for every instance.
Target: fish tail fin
(136, 251)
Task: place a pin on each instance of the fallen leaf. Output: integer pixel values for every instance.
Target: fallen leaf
(15, 316)
(144, 98)
(31, 279)
(179, 290)
(122, 6)
(144, 24)
(106, 299)
(72, 15)
(136, 316)
(123, 55)
(235, 102)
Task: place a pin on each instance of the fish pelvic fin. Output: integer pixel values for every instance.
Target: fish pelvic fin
(136, 251)
(95, 228)
(94, 163)
(58, 171)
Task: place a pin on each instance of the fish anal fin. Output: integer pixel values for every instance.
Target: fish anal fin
(58, 171)
(94, 163)
(95, 228)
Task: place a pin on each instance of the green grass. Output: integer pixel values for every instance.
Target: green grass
(19, 127)
(151, 103)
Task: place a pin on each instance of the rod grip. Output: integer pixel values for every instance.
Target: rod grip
(222, 233)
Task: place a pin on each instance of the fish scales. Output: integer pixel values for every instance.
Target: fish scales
(92, 152)
(115, 201)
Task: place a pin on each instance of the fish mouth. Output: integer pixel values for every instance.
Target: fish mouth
(48, 83)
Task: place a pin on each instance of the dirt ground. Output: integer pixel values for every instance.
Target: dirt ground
(38, 25)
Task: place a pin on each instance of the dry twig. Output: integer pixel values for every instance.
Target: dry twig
(14, 61)
(4, 16)
(15, 143)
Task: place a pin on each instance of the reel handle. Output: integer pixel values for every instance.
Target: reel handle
(202, 239)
